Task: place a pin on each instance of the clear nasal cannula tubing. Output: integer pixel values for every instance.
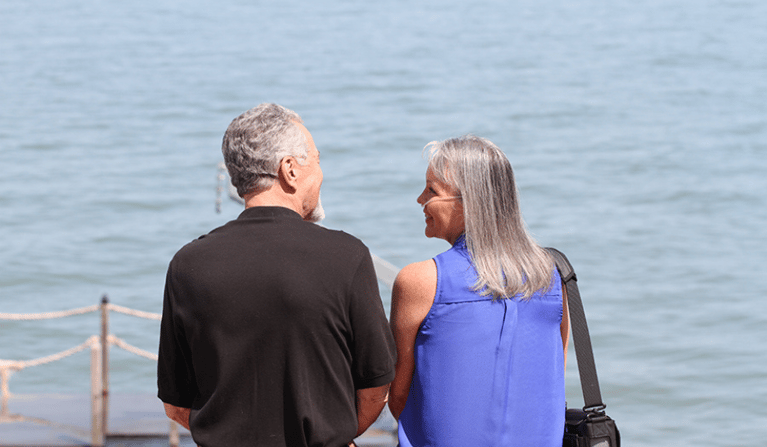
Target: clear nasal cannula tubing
(438, 199)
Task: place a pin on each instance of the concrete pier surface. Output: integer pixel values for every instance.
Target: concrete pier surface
(54, 420)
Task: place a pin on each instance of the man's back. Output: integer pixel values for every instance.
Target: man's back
(270, 324)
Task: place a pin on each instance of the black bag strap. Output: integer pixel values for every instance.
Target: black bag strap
(592, 398)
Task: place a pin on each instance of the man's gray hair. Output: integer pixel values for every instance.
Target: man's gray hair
(255, 143)
(507, 259)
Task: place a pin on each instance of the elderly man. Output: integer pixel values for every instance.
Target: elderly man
(273, 332)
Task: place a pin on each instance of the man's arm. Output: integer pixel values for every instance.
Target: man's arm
(178, 414)
(370, 402)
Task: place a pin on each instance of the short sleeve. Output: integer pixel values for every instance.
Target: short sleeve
(175, 375)
(373, 348)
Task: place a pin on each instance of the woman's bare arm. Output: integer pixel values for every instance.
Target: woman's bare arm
(412, 297)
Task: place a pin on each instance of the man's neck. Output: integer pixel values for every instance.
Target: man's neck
(272, 197)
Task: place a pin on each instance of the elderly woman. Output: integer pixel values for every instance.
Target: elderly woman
(481, 329)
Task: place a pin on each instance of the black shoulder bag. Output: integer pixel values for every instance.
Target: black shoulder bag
(589, 427)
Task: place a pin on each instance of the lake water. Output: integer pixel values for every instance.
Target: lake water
(638, 133)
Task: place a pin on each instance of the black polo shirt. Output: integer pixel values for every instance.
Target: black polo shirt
(270, 324)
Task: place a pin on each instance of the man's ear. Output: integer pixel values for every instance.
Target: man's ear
(288, 174)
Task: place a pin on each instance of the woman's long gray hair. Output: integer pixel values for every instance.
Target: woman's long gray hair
(507, 259)
(255, 143)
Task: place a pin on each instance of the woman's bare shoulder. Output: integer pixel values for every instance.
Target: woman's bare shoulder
(417, 269)
(418, 278)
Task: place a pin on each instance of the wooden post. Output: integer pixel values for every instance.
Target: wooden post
(173, 436)
(105, 363)
(5, 374)
(97, 403)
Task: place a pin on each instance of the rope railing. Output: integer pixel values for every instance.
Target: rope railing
(112, 340)
(79, 311)
(134, 312)
(49, 315)
(99, 364)
(18, 365)
(97, 396)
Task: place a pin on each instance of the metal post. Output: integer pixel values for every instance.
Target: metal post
(105, 362)
(97, 403)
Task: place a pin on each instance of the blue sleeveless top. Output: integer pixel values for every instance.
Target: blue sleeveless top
(487, 372)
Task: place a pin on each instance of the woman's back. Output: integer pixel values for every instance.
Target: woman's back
(487, 372)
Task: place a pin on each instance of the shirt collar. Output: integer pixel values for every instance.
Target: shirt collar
(269, 211)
